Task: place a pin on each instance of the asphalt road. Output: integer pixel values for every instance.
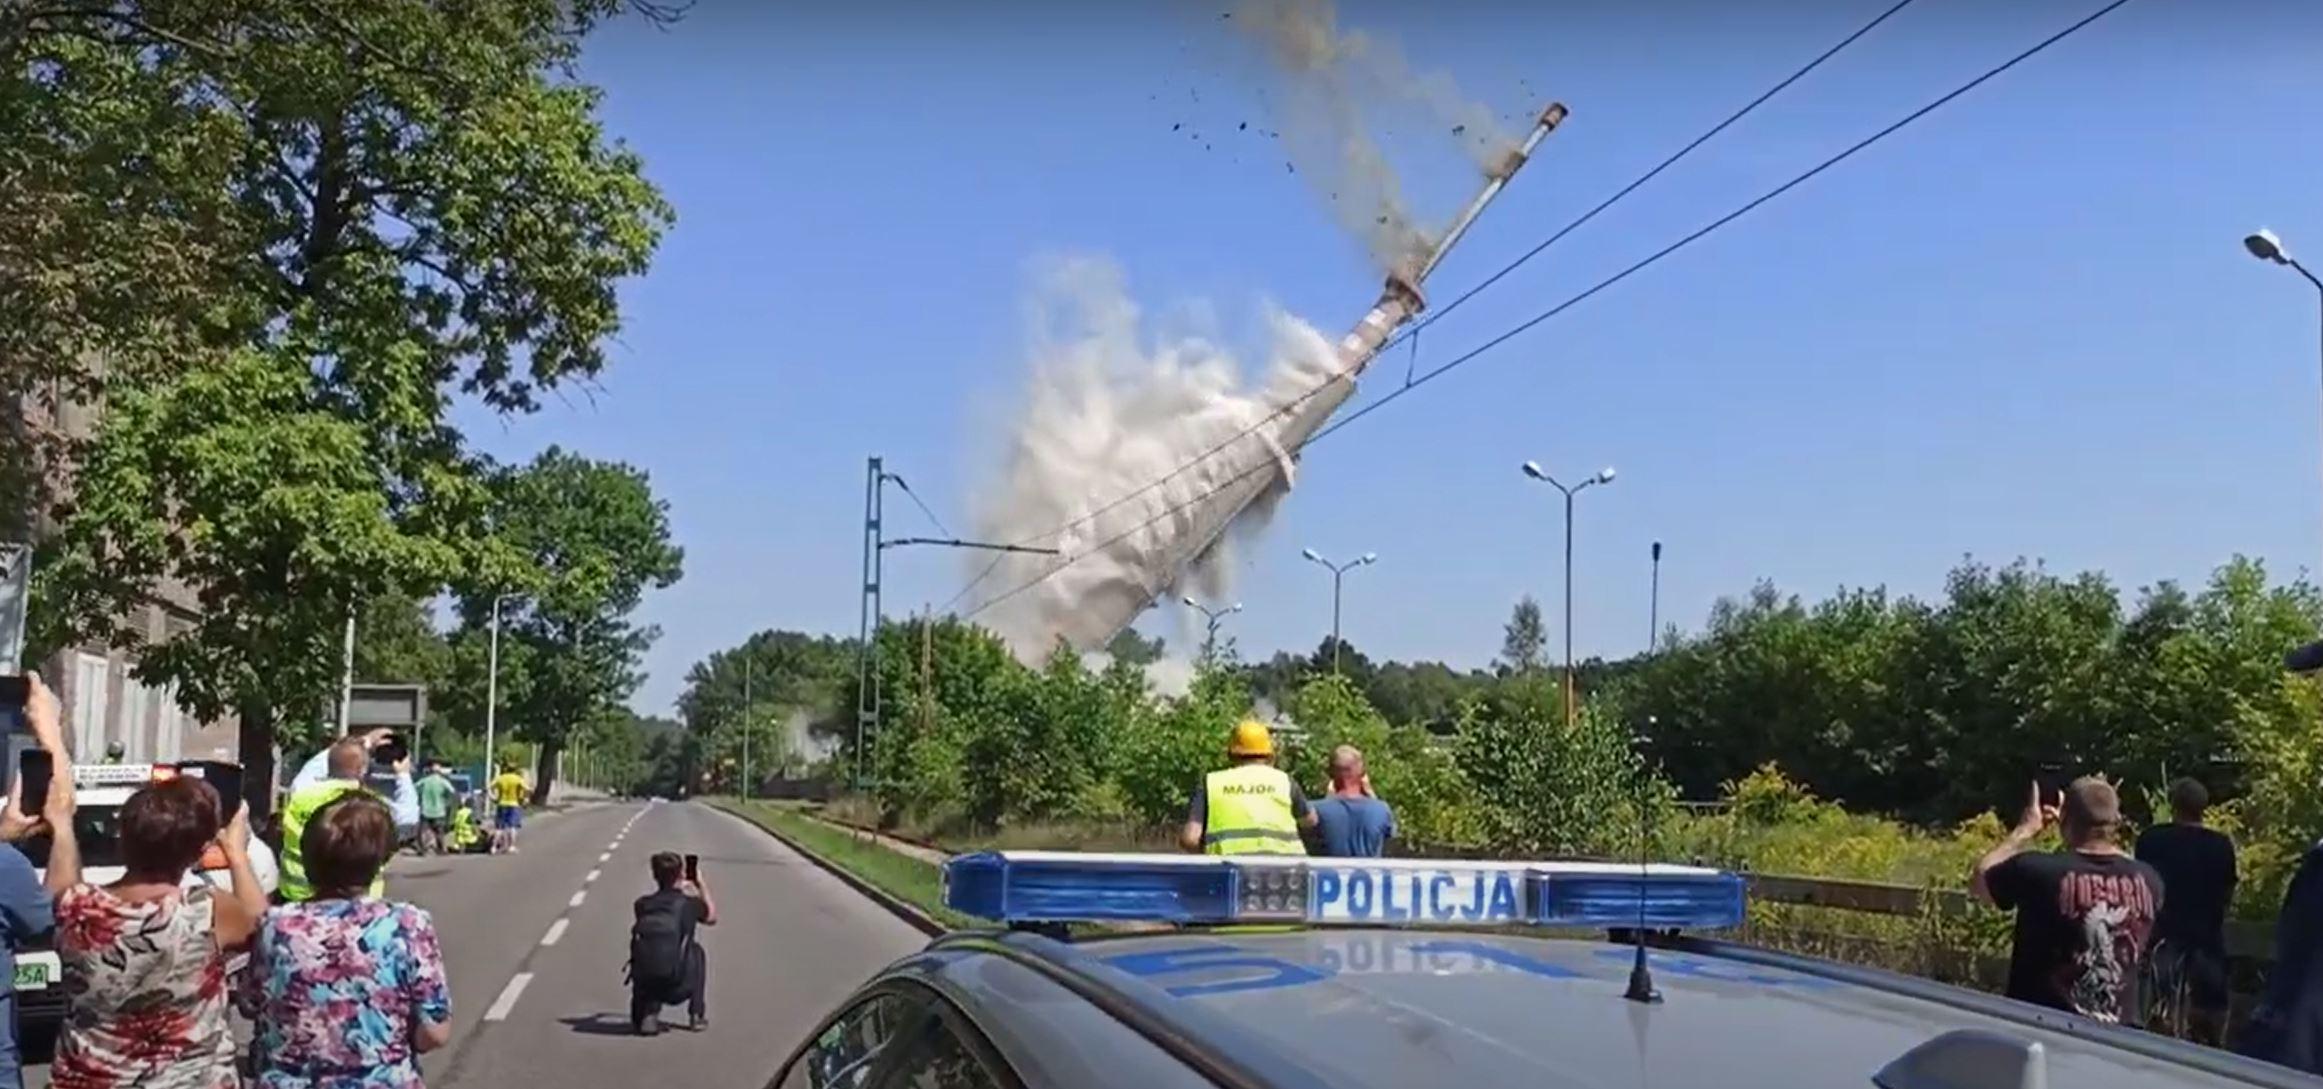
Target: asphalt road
(535, 943)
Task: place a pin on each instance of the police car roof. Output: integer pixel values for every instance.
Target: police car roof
(1358, 1008)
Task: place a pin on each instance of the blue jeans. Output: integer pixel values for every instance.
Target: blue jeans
(11, 1061)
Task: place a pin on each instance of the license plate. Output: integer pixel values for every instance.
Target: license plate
(1362, 894)
(32, 977)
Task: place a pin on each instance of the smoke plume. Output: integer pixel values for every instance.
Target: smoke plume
(1335, 86)
(1107, 414)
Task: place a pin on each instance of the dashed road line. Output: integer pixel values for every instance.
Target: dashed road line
(592, 878)
(601, 859)
(577, 898)
(555, 930)
(506, 1003)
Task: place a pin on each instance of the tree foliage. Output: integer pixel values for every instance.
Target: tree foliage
(1524, 643)
(273, 238)
(592, 539)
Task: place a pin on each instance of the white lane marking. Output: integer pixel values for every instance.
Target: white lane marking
(591, 879)
(555, 930)
(506, 1003)
(577, 898)
(601, 858)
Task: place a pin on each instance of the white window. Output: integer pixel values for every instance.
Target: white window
(169, 740)
(136, 729)
(89, 700)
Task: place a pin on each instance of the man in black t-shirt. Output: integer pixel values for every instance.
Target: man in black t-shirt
(666, 965)
(2083, 914)
(2197, 868)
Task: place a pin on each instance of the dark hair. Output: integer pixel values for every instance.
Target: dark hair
(668, 867)
(346, 843)
(2188, 798)
(165, 827)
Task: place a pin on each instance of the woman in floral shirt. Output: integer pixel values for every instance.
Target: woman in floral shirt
(145, 956)
(347, 991)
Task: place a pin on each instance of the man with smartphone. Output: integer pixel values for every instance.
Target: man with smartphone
(666, 965)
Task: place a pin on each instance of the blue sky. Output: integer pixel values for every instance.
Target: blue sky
(2023, 327)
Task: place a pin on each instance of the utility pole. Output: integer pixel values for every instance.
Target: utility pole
(1338, 576)
(492, 691)
(867, 621)
(748, 707)
(1653, 613)
(347, 673)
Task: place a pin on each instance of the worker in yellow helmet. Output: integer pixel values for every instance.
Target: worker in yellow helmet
(1251, 807)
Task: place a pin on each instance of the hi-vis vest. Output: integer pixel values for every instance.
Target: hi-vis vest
(295, 814)
(1250, 813)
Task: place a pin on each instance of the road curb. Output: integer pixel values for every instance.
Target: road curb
(894, 905)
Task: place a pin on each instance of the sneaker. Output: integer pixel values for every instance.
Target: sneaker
(698, 1023)
(650, 1026)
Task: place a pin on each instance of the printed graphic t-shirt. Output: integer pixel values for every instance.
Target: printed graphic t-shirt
(2082, 925)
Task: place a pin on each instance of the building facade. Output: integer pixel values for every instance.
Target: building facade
(104, 703)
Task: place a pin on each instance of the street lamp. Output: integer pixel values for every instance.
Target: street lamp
(1338, 576)
(1604, 476)
(2266, 247)
(1213, 617)
(492, 689)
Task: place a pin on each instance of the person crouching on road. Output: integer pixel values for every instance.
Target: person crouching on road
(1251, 807)
(1352, 821)
(345, 989)
(333, 773)
(666, 965)
(146, 955)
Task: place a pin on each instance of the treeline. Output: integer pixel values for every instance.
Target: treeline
(263, 257)
(1930, 712)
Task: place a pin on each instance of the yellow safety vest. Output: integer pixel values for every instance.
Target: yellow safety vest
(1250, 813)
(301, 808)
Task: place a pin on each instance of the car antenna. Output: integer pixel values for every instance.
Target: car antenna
(1641, 977)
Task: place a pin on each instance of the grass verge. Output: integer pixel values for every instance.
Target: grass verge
(906, 878)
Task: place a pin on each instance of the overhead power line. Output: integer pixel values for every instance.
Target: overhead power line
(2042, 46)
(915, 501)
(1433, 316)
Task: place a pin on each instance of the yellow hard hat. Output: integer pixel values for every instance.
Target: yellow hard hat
(1251, 738)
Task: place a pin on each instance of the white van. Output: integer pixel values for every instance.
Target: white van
(102, 789)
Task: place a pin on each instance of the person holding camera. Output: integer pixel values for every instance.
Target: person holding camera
(334, 772)
(145, 957)
(666, 965)
(26, 910)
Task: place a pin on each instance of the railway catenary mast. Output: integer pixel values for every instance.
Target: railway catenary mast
(1240, 469)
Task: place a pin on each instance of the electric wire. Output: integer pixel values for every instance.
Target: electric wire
(1570, 302)
(1411, 332)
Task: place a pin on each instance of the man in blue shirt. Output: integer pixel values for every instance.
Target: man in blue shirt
(1353, 822)
(26, 913)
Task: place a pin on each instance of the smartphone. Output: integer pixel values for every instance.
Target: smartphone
(390, 751)
(15, 692)
(224, 778)
(34, 769)
(693, 867)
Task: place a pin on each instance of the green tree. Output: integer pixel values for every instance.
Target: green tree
(1524, 643)
(291, 231)
(594, 539)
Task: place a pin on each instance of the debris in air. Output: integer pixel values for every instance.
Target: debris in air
(1459, 130)
(1242, 127)
(1176, 127)
(1288, 168)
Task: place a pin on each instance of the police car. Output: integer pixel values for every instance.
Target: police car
(1332, 973)
(99, 793)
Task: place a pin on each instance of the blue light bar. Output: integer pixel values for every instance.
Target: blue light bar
(1057, 887)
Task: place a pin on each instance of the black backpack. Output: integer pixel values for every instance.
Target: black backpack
(657, 940)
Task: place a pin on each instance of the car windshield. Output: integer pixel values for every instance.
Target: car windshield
(97, 828)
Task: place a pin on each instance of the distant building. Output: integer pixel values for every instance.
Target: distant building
(103, 704)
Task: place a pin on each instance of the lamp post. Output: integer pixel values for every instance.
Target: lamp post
(1338, 577)
(492, 689)
(2266, 247)
(1213, 617)
(1653, 612)
(1604, 476)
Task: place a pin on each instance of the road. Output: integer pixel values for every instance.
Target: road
(535, 943)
